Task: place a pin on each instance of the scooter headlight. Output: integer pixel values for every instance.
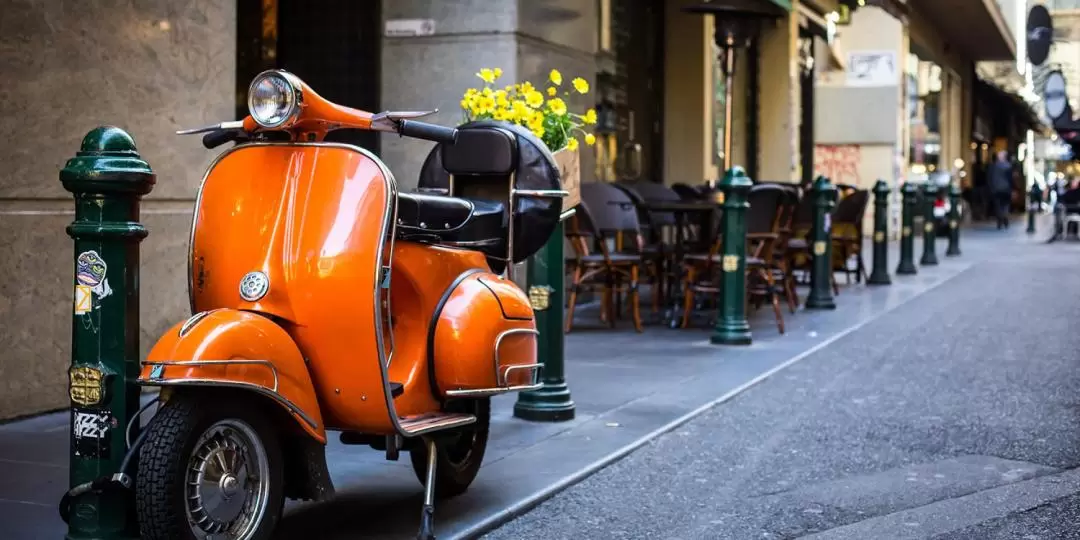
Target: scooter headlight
(274, 99)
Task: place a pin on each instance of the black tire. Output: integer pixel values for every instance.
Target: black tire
(160, 486)
(459, 454)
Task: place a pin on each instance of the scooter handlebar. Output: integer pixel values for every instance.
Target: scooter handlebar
(428, 132)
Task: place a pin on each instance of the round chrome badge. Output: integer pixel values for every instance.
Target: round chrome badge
(254, 286)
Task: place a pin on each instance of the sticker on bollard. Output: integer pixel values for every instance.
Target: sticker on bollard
(906, 231)
(730, 263)
(90, 431)
(879, 236)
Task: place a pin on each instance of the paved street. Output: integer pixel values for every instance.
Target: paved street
(951, 417)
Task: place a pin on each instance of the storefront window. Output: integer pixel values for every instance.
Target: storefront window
(719, 92)
(924, 90)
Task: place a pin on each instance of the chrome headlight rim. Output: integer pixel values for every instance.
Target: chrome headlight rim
(295, 98)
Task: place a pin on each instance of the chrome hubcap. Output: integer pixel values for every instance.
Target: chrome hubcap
(227, 485)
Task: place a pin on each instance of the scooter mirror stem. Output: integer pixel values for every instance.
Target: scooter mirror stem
(235, 124)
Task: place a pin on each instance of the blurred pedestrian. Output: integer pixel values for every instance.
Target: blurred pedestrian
(1000, 180)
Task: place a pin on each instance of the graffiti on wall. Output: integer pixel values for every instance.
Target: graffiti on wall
(840, 163)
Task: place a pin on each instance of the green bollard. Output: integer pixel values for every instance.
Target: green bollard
(954, 221)
(732, 327)
(929, 254)
(907, 237)
(107, 178)
(551, 402)
(1034, 206)
(880, 274)
(821, 296)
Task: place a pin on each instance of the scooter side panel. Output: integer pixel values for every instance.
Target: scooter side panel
(495, 338)
(238, 349)
(421, 276)
(313, 219)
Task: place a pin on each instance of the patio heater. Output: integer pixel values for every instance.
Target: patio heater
(737, 22)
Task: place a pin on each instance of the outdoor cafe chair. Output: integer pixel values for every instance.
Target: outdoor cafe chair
(605, 214)
(847, 234)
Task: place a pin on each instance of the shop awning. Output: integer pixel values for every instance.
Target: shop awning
(1010, 104)
(977, 27)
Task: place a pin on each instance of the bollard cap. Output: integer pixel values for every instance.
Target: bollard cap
(910, 187)
(822, 184)
(735, 177)
(881, 188)
(930, 188)
(107, 162)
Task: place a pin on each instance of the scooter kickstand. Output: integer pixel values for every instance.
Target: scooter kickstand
(427, 515)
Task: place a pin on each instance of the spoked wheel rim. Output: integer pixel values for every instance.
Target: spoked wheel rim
(227, 486)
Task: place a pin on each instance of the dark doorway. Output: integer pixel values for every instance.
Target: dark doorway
(638, 36)
(807, 53)
(334, 48)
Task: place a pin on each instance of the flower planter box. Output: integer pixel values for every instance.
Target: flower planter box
(569, 162)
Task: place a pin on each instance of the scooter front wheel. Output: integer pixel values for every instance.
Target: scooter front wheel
(459, 453)
(210, 468)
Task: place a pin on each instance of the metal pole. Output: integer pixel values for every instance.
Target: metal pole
(821, 296)
(107, 178)
(907, 237)
(546, 275)
(732, 327)
(729, 78)
(880, 274)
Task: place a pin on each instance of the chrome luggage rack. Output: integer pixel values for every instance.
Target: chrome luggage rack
(502, 374)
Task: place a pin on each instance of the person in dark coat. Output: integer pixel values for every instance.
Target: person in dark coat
(999, 178)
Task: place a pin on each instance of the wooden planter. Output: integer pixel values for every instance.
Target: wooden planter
(569, 162)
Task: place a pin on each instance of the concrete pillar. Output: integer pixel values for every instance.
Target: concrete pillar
(688, 146)
(778, 120)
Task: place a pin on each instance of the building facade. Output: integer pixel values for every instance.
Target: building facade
(155, 66)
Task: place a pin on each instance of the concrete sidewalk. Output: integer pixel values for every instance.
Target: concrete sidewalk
(628, 388)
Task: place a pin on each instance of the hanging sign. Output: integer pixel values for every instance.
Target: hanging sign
(1040, 34)
(1054, 95)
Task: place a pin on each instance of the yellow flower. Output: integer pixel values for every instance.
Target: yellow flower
(520, 111)
(557, 106)
(555, 77)
(552, 91)
(526, 87)
(486, 92)
(536, 121)
(581, 85)
(590, 139)
(534, 99)
(464, 103)
(471, 92)
(486, 104)
(572, 144)
(502, 114)
(486, 75)
(497, 72)
(590, 117)
(500, 98)
(538, 131)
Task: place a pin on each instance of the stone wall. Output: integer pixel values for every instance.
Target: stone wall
(148, 66)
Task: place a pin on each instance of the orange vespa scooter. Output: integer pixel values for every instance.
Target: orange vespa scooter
(325, 300)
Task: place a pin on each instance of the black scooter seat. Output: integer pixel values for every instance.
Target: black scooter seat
(466, 223)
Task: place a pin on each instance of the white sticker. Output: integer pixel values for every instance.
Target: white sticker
(87, 425)
(83, 299)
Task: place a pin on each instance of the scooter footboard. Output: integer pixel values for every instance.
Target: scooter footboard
(483, 339)
(236, 349)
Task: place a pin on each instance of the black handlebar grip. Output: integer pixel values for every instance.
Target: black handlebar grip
(428, 132)
(215, 139)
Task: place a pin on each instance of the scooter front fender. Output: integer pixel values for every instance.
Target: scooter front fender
(237, 349)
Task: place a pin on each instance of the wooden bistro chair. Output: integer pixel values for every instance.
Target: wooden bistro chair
(847, 234)
(605, 214)
(658, 229)
(783, 271)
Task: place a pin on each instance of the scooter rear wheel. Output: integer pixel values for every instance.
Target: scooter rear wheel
(459, 454)
(209, 468)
